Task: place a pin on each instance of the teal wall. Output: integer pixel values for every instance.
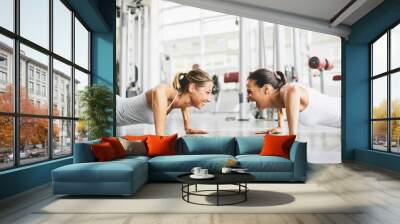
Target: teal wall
(103, 52)
(99, 16)
(24, 178)
(355, 68)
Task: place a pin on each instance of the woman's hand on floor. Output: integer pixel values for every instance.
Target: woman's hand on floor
(271, 131)
(195, 132)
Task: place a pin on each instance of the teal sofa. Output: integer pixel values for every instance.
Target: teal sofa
(125, 176)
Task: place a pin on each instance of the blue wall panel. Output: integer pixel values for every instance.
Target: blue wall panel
(377, 158)
(356, 99)
(24, 178)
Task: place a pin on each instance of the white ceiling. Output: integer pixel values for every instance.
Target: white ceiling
(313, 15)
(320, 9)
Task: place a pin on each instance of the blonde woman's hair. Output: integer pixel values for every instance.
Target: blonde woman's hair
(196, 76)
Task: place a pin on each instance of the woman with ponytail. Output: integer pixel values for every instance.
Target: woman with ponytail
(192, 89)
(302, 104)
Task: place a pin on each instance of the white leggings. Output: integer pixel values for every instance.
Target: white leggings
(322, 110)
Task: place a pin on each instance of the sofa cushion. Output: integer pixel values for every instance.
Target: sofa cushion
(83, 152)
(116, 145)
(257, 163)
(198, 145)
(136, 137)
(134, 147)
(103, 152)
(129, 159)
(185, 163)
(112, 171)
(249, 144)
(277, 145)
(161, 145)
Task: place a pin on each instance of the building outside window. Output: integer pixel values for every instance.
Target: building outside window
(38, 89)
(44, 77)
(37, 75)
(3, 72)
(3, 61)
(30, 87)
(43, 90)
(3, 78)
(30, 72)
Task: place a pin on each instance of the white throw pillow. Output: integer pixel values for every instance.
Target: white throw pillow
(136, 147)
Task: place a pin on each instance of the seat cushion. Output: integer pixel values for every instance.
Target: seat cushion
(257, 163)
(132, 160)
(185, 163)
(111, 171)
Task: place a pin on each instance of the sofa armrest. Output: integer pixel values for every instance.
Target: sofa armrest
(83, 152)
(298, 155)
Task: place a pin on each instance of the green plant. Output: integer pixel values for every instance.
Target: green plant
(96, 102)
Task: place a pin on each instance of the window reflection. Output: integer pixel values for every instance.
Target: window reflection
(379, 135)
(33, 140)
(395, 47)
(34, 91)
(395, 136)
(379, 99)
(6, 142)
(395, 95)
(62, 29)
(81, 45)
(81, 81)
(6, 75)
(62, 89)
(379, 55)
(62, 133)
(34, 21)
(7, 14)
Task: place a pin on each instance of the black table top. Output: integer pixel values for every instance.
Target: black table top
(220, 178)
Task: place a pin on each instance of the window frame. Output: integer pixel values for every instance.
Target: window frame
(388, 74)
(16, 114)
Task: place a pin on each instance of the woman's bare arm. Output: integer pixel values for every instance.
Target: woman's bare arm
(186, 115)
(159, 106)
(280, 118)
(292, 105)
(278, 129)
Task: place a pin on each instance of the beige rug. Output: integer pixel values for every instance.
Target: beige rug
(166, 198)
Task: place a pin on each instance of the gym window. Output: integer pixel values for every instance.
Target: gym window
(44, 64)
(384, 92)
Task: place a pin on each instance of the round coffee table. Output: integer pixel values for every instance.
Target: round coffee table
(238, 179)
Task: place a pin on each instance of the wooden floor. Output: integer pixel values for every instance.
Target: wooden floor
(377, 188)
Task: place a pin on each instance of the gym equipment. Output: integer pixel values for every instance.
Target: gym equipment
(230, 77)
(337, 77)
(321, 64)
(131, 29)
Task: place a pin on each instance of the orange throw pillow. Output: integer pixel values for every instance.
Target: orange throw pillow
(277, 145)
(161, 145)
(103, 152)
(136, 137)
(116, 145)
